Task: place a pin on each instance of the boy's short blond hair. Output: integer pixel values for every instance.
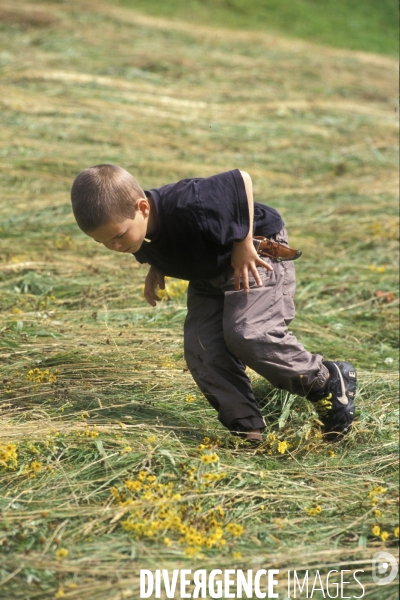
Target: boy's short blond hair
(104, 193)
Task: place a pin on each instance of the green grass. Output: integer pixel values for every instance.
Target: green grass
(111, 396)
(356, 24)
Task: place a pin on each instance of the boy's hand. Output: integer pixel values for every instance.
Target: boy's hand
(153, 279)
(244, 259)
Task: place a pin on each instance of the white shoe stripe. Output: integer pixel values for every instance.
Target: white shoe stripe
(343, 398)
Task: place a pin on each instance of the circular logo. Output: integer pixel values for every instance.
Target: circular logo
(381, 561)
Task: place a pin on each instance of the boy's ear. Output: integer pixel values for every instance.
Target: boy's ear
(143, 205)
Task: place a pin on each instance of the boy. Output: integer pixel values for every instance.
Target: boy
(239, 304)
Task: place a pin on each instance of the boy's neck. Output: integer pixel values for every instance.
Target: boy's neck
(152, 225)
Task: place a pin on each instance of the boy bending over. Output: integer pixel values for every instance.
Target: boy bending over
(240, 302)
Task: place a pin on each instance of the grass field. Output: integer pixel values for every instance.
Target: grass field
(110, 459)
(355, 24)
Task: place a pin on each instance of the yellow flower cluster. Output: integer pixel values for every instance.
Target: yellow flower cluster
(133, 486)
(159, 510)
(190, 398)
(166, 362)
(32, 468)
(214, 476)
(209, 458)
(173, 289)
(90, 433)
(63, 243)
(387, 230)
(314, 511)
(384, 535)
(61, 553)
(282, 447)
(47, 301)
(380, 269)
(234, 529)
(279, 446)
(376, 492)
(39, 376)
(9, 456)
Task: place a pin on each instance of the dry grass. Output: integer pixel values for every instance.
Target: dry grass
(317, 130)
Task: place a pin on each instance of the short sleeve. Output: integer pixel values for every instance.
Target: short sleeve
(225, 208)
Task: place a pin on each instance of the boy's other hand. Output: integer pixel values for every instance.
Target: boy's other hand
(153, 279)
(244, 259)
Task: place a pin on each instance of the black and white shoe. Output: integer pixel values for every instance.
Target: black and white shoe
(335, 404)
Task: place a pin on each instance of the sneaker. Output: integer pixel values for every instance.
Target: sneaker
(335, 404)
(254, 437)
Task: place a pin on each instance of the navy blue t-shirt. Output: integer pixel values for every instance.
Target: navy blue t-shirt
(199, 219)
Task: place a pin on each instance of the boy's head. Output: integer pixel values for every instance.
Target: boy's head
(111, 207)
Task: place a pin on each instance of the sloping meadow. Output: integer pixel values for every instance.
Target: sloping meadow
(110, 458)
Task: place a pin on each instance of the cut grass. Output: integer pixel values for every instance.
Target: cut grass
(111, 395)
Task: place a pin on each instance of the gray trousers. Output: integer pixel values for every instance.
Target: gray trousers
(226, 330)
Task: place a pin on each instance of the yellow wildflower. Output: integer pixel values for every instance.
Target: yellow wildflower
(376, 530)
(376, 512)
(134, 486)
(8, 456)
(282, 447)
(115, 493)
(313, 512)
(206, 458)
(126, 450)
(234, 529)
(166, 362)
(384, 536)
(61, 553)
(39, 376)
(378, 490)
(36, 466)
(396, 532)
(236, 555)
(167, 542)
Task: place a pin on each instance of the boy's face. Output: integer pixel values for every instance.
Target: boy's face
(126, 235)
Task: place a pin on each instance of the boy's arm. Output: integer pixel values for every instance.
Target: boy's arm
(244, 256)
(153, 279)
